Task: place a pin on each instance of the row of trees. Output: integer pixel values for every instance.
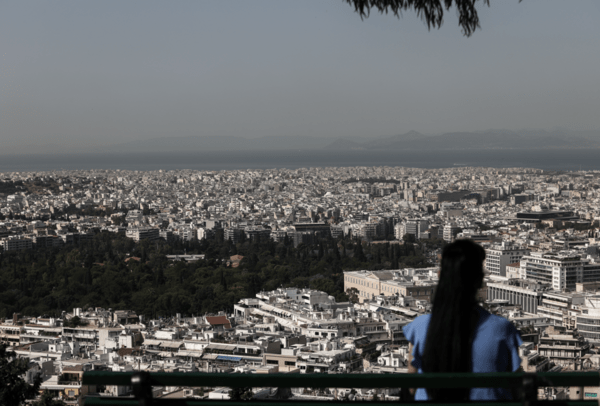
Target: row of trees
(113, 271)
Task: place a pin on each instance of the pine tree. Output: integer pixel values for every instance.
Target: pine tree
(223, 280)
(359, 254)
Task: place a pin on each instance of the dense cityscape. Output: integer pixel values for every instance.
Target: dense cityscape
(285, 271)
(296, 202)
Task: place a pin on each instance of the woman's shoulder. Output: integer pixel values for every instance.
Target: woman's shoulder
(417, 327)
(422, 320)
(497, 322)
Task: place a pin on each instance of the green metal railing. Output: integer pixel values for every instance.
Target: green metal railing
(142, 383)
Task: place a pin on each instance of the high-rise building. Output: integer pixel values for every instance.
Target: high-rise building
(450, 231)
(498, 256)
(561, 269)
(233, 234)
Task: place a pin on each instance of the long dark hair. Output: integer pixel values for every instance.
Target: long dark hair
(454, 315)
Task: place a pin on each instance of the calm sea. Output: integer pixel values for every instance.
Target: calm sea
(564, 160)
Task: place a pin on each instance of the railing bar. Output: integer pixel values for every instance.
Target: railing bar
(93, 401)
(186, 402)
(499, 380)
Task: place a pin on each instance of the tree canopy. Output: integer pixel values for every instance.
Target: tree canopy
(430, 11)
(114, 271)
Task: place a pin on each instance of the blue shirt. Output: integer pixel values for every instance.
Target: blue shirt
(495, 349)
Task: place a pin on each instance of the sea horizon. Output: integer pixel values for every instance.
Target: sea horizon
(545, 159)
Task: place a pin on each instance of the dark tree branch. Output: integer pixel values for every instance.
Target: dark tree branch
(430, 11)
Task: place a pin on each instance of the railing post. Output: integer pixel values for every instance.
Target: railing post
(404, 395)
(142, 389)
(529, 389)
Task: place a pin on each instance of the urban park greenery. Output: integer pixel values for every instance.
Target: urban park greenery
(113, 271)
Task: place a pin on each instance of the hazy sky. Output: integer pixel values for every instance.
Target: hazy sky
(108, 70)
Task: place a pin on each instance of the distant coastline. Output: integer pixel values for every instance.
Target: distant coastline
(547, 159)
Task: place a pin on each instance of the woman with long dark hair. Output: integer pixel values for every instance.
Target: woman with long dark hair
(459, 335)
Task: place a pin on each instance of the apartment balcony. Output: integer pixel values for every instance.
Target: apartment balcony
(526, 384)
(53, 383)
(10, 339)
(563, 348)
(80, 336)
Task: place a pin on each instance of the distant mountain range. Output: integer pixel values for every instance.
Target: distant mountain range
(491, 139)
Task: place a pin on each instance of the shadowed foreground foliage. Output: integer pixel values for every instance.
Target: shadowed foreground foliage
(430, 11)
(13, 389)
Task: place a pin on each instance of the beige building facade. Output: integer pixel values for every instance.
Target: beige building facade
(369, 284)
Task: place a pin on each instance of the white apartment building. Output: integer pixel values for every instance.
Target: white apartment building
(561, 269)
(14, 198)
(138, 234)
(414, 227)
(588, 322)
(187, 234)
(497, 257)
(15, 243)
(399, 230)
(450, 230)
(336, 232)
(561, 309)
(368, 231)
